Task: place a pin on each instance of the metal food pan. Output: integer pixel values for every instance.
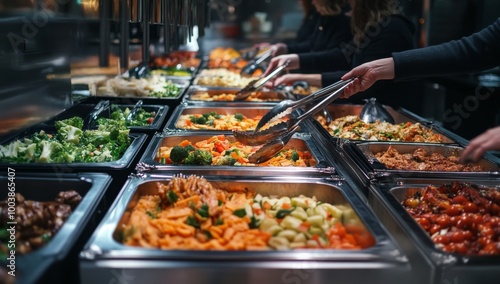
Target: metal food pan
(82, 110)
(104, 256)
(400, 116)
(181, 83)
(250, 111)
(301, 141)
(137, 140)
(268, 97)
(48, 259)
(364, 154)
(446, 267)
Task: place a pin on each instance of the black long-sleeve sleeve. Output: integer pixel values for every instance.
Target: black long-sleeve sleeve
(391, 36)
(477, 52)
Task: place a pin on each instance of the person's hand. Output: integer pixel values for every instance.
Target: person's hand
(278, 49)
(489, 140)
(281, 60)
(289, 79)
(367, 74)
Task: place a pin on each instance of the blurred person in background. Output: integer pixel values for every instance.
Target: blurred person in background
(308, 24)
(331, 27)
(379, 29)
(478, 52)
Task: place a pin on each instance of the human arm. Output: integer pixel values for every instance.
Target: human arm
(279, 49)
(293, 64)
(289, 79)
(489, 140)
(477, 52)
(367, 74)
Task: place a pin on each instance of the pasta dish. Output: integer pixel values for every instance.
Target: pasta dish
(191, 214)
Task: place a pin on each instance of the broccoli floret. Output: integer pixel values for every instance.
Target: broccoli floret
(11, 150)
(106, 124)
(201, 120)
(75, 121)
(105, 154)
(119, 114)
(226, 161)
(28, 151)
(178, 154)
(96, 137)
(190, 148)
(239, 116)
(51, 152)
(294, 156)
(199, 157)
(70, 134)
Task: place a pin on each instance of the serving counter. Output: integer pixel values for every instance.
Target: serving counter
(336, 170)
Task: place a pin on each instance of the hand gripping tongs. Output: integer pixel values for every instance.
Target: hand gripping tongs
(258, 83)
(279, 134)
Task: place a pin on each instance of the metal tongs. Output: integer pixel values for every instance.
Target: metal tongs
(92, 117)
(250, 68)
(133, 112)
(280, 134)
(258, 83)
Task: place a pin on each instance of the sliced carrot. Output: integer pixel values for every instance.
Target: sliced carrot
(184, 143)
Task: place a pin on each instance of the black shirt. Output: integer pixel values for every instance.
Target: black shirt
(329, 32)
(393, 34)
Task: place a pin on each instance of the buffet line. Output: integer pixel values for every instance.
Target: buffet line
(146, 179)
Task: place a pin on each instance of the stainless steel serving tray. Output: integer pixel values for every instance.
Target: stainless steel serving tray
(269, 97)
(364, 156)
(400, 116)
(248, 111)
(137, 140)
(104, 257)
(301, 141)
(46, 260)
(447, 267)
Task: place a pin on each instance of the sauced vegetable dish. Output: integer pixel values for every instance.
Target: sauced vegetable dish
(458, 217)
(220, 151)
(352, 127)
(191, 214)
(254, 97)
(216, 121)
(421, 160)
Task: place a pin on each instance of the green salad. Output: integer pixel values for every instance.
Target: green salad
(70, 143)
(141, 118)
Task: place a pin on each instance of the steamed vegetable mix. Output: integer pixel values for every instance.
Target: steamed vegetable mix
(70, 144)
(141, 118)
